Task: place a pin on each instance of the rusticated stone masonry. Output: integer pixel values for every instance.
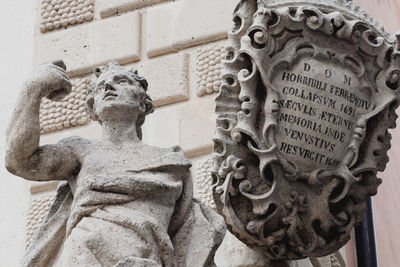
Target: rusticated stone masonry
(38, 208)
(208, 69)
(58, 115)
(204, 183)
(337, 260)
(63, 13)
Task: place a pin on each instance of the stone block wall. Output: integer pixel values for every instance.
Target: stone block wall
(179, 47)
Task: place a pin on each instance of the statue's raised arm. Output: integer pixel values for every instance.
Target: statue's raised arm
(24, 156)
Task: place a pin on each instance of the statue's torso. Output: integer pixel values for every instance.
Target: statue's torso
(131, 189)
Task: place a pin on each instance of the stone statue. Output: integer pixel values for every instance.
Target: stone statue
(122, 202)
(310, 90)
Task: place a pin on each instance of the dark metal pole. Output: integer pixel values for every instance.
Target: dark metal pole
(365, 239)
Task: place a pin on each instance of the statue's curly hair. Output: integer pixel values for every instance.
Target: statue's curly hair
(148, 104)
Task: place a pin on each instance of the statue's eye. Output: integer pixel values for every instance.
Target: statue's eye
(123, 81)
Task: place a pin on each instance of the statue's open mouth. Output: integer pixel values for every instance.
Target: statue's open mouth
(109, 94)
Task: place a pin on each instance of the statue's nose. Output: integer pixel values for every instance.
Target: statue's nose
(109, 87)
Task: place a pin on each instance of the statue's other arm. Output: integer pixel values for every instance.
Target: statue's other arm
(24, 156)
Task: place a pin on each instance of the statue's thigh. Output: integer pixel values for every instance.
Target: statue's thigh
(96, 242)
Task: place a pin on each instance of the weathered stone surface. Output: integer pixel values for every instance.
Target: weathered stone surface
(302, 125)
(169, 76)
(337, 260)
(86, 46)
(114, 7)
(69, 112)
(196, 127)
(92, 130)
(203, 183)
(37, 187)
(166, 119)
(39, 206)
(182, 24)
(190, 124)
(208, 69)
(61, 14)
(233, 253)
(109, 210)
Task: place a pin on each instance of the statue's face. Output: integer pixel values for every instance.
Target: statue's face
(117, 94)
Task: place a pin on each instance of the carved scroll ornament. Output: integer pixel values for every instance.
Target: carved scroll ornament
(310, 89)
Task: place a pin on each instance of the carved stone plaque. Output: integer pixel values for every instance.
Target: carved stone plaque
(309, 92)
(319, 106)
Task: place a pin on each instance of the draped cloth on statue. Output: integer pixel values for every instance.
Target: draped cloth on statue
(145, 216)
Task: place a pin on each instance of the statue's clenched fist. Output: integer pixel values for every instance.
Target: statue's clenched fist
(50, 80)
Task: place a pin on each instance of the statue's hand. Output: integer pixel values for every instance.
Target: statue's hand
(50, 80)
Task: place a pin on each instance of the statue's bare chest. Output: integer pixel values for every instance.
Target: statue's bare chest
(126, 170)
(101, 157)
(109, 161)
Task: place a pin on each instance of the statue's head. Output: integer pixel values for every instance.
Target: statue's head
(118, 94)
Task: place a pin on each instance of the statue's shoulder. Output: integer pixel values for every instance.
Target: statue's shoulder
(177, 153)
(158, 156)
(77, 144)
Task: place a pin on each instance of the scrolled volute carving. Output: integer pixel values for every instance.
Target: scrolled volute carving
(309, 93)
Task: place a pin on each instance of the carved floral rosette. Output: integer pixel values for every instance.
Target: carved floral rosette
(310, 89)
